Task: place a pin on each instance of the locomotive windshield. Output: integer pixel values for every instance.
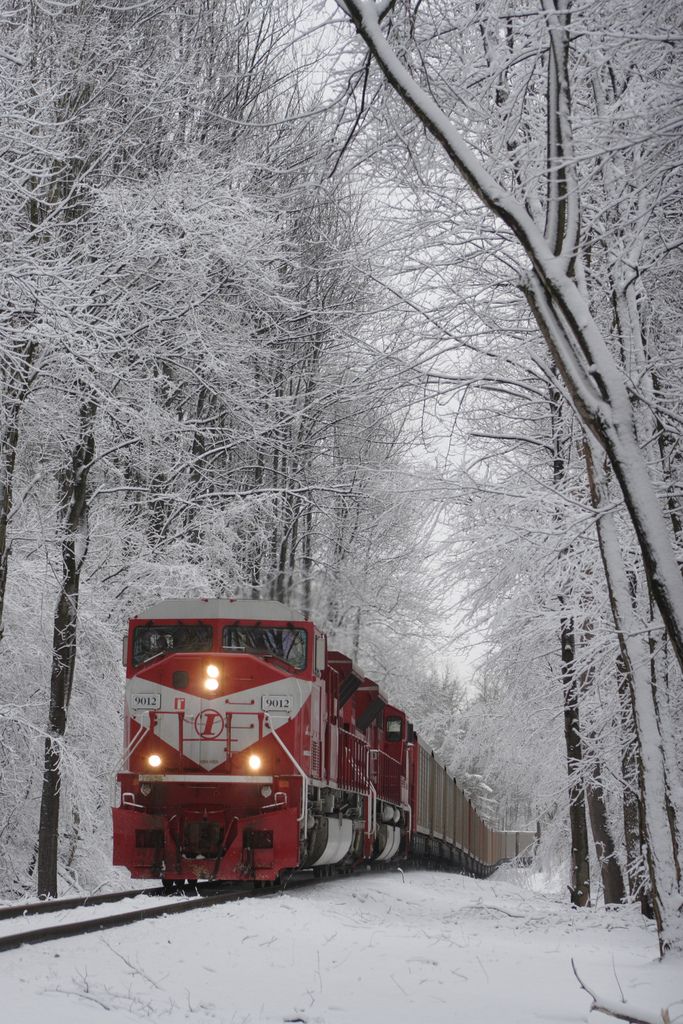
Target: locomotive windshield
(149, 641)
(288, 645)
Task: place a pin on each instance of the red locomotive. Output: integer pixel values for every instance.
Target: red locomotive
(251, 749)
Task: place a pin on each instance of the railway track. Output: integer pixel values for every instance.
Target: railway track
(72, 902)
(173, 905)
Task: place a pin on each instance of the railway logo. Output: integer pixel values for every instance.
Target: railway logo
(209, 724)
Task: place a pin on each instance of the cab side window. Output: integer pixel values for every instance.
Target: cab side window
(393, 727)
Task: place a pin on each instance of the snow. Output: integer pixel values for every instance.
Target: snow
(425, 946)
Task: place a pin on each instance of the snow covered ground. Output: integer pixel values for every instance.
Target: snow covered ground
(426, 949)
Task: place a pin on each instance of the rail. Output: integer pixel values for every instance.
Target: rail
(68, 929)
(72, 902)
(170, 905)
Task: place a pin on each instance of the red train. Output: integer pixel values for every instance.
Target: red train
(252, 749)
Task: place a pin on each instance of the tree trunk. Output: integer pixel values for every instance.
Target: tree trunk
(610, 871)
(635, 839)
(579, 883)
(74, 545)
(18, 381)
(307, 558)
(8, 446)
(659, 815)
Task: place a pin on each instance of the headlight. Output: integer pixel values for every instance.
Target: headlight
(212, 670)
(210, 684)
(254, 762)
(154, 760)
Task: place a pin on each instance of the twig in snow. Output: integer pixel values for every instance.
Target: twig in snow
(398, 984)
(497, 910)
(135, 968)
(81, 995)
(616, 978)
(622, 1010)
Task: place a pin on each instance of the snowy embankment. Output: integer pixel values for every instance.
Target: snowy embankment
(434, 948)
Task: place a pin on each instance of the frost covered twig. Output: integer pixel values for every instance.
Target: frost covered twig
(622, 1010)
(135, 968)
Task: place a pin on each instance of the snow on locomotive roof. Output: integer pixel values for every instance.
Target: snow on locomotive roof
(220, 608)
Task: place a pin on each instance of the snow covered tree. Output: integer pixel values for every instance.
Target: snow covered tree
(187, 378)
(533, 71)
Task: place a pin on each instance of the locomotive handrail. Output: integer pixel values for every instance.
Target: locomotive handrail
(409, 749)
(378, 750)
(388, 775)
(304, 778)
(353, 761)
(131, 748)
(372, 798)
(137, 740)
(261, 715)
(372, 810)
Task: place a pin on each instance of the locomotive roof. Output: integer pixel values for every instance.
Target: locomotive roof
(220, 608)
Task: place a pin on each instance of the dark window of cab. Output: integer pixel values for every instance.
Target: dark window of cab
(285, 643)
(393, 727)
(177, 638)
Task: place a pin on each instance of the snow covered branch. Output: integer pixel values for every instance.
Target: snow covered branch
(621, 1010)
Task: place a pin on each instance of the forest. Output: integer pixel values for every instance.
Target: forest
(372, 307)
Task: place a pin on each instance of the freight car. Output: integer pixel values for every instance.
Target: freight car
(252, 749)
